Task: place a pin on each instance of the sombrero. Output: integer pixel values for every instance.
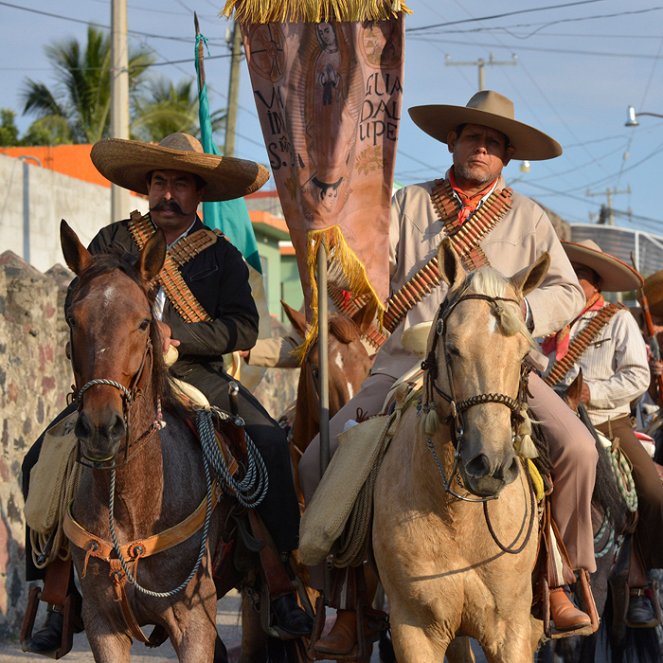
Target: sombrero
(489, 109)
(653, 290)
(615, 275)
(127, 163)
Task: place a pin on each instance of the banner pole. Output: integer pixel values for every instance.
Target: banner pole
(323, 352)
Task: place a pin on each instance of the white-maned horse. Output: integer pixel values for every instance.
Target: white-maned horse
(455, 527)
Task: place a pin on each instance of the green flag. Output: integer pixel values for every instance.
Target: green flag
(231, 217)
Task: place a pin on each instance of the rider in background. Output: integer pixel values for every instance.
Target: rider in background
(513, 232)
(176, 175)
(615, 373)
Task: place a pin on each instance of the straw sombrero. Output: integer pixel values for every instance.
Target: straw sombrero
(615, 275)
(489, 109)
(127, 163)
(653, 290)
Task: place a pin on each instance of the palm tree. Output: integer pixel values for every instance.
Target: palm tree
(83, 94)
(167, 108)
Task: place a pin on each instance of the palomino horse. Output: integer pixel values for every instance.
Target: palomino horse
(138, 481)
(455, 524)
(349, 363)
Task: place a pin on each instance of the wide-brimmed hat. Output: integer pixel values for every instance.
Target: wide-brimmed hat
(653, 290)
(615, 274)
(489, 109)
(128, 162)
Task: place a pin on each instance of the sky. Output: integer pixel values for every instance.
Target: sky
(571, 68)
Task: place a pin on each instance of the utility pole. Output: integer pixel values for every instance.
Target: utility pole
(233, 91)
(480, 64)
(606, 216)
(119, 124)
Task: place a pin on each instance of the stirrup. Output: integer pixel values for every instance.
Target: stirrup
(370, 623)
(68, 613)
(587, 605)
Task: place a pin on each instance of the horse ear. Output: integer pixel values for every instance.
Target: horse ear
(297, 318)
(450, 266)
(530, 278)
(153, 256)
(75, 254)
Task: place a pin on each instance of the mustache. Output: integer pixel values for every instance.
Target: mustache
(167, 206)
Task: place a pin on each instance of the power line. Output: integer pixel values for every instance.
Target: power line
(503, 15)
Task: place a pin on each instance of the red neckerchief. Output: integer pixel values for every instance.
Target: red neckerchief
(468, 203)
(559, 342)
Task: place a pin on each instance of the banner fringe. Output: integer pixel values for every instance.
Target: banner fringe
(313, 11)
(340, 257)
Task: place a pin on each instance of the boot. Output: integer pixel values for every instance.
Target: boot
(342, 638)
(47, 639)
(289, 617)
(641, 612)
(565, 616)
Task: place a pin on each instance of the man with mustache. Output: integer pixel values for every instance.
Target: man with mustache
(208, 312)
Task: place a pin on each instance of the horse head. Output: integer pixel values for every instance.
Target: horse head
(112, 333)
(475, 376)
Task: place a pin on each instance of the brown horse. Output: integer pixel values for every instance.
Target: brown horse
(455, 525)
(138, 480)
(349, 363)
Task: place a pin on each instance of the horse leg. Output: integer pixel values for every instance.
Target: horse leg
(254, 638)
(413, 644)
(514, 645)
(196, 641)
(109, 647)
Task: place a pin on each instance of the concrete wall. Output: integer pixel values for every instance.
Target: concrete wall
(33, 202)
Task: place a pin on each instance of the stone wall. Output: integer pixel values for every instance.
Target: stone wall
(35, 377)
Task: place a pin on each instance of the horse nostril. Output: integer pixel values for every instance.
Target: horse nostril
(115, 429)
(479, 466)
(82, 429)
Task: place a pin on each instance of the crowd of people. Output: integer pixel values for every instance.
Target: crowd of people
(578, 330)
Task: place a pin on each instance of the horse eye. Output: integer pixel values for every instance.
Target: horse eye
(315, 373)
(145, 324)
(453, 351)
(70, 321)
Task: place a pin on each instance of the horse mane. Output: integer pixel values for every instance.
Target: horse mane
(488, 281)
(343, 328)
(103, 264)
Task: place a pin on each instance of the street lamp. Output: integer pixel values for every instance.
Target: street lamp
(631, 116)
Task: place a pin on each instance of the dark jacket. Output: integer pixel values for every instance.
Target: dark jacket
(219, 280)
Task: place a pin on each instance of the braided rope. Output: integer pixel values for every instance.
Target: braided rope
(252, 488)
(624, 476)
(201, 552)
(110, 383)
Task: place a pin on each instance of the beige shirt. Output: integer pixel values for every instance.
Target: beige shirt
(614, 366)
(516, 242)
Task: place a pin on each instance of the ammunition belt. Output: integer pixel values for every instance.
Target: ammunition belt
(580, 343)
(170, 278)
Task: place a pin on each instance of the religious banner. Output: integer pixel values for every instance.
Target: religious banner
(327, 82)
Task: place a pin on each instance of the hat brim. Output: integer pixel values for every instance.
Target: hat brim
(128, 162)
(615, 275)
(437, 120)
(653, 290)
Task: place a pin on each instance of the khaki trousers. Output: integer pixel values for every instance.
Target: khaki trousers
(572, 452)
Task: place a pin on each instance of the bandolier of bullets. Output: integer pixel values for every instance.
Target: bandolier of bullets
(170, 278)
(466, 236)
(411, 293)
(580, 343)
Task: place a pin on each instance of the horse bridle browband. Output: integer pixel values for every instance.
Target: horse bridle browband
(454, 418)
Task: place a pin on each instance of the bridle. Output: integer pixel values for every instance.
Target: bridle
(456, 408)
(129, 395)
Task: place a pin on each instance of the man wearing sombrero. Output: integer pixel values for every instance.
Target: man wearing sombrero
(206, 310)
(508, 231)
(605, 343)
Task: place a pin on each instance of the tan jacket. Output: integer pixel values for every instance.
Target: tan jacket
(516, 242)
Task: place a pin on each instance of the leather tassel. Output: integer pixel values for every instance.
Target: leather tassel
(431, 422)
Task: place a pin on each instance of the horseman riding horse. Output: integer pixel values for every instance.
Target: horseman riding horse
(203, 308)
